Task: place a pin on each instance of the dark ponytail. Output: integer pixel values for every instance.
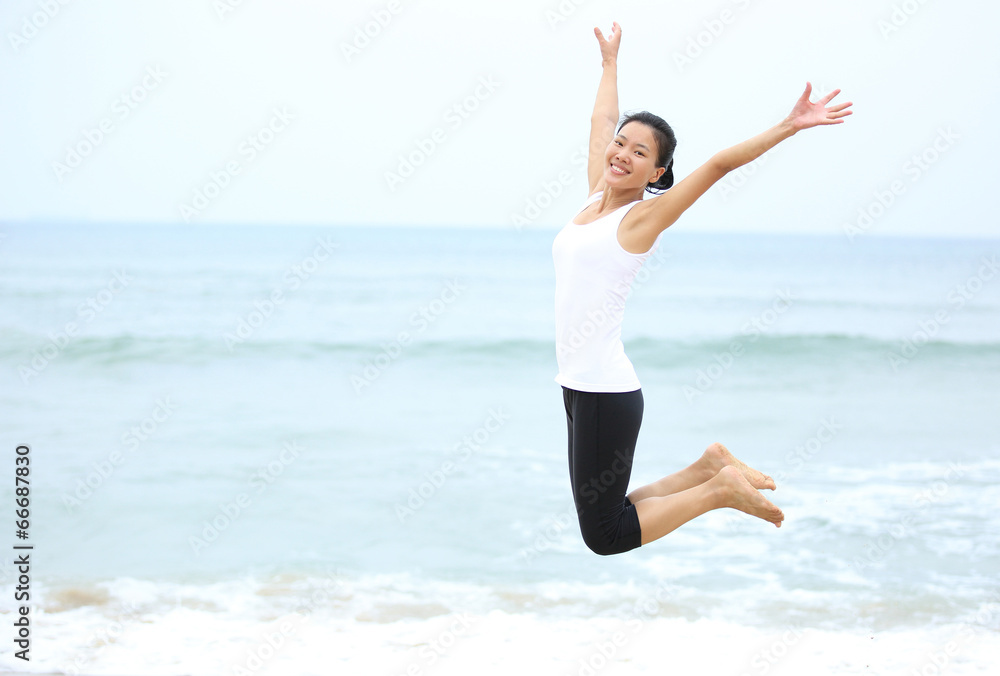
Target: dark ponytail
(666, 143)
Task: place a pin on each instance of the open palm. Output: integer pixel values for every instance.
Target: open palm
(609, 47)
(807, 114)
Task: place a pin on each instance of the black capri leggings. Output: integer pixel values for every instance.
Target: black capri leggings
(603, 427)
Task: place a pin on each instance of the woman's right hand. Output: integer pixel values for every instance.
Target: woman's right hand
(609, 47)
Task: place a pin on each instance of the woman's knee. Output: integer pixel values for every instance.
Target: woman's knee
(599, 542)
(606, 541)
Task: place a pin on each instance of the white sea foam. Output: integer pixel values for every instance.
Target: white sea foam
(402, 625)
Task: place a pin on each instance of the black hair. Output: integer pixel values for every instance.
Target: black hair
(666, 143)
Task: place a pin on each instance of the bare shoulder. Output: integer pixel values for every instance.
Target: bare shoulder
(656, 214)
(644, 214)
(639, 227)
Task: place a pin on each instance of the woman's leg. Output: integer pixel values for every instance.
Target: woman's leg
(602, 431)
(707, 466)
(602, 428)
(717, 479)
(660, 515)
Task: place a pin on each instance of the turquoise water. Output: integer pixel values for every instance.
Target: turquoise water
(211, 410)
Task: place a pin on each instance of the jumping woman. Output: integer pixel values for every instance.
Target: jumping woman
(597, 255)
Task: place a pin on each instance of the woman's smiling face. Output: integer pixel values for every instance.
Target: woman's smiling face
(630, 160)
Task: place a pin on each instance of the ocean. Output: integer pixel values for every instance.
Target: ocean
(307, 450)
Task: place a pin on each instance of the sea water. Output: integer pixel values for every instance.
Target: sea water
(341, 450)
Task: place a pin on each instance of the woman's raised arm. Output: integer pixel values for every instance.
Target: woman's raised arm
(605, 116)
(662, 211)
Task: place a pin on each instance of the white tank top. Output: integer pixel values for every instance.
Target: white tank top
(593, 279)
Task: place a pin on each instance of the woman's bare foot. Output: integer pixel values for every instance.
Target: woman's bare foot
(735, 491)
(718, 456)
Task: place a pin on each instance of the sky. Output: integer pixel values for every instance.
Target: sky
(449, 112)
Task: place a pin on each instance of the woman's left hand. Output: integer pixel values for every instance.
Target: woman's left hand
(807, 114)
(609, 47)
